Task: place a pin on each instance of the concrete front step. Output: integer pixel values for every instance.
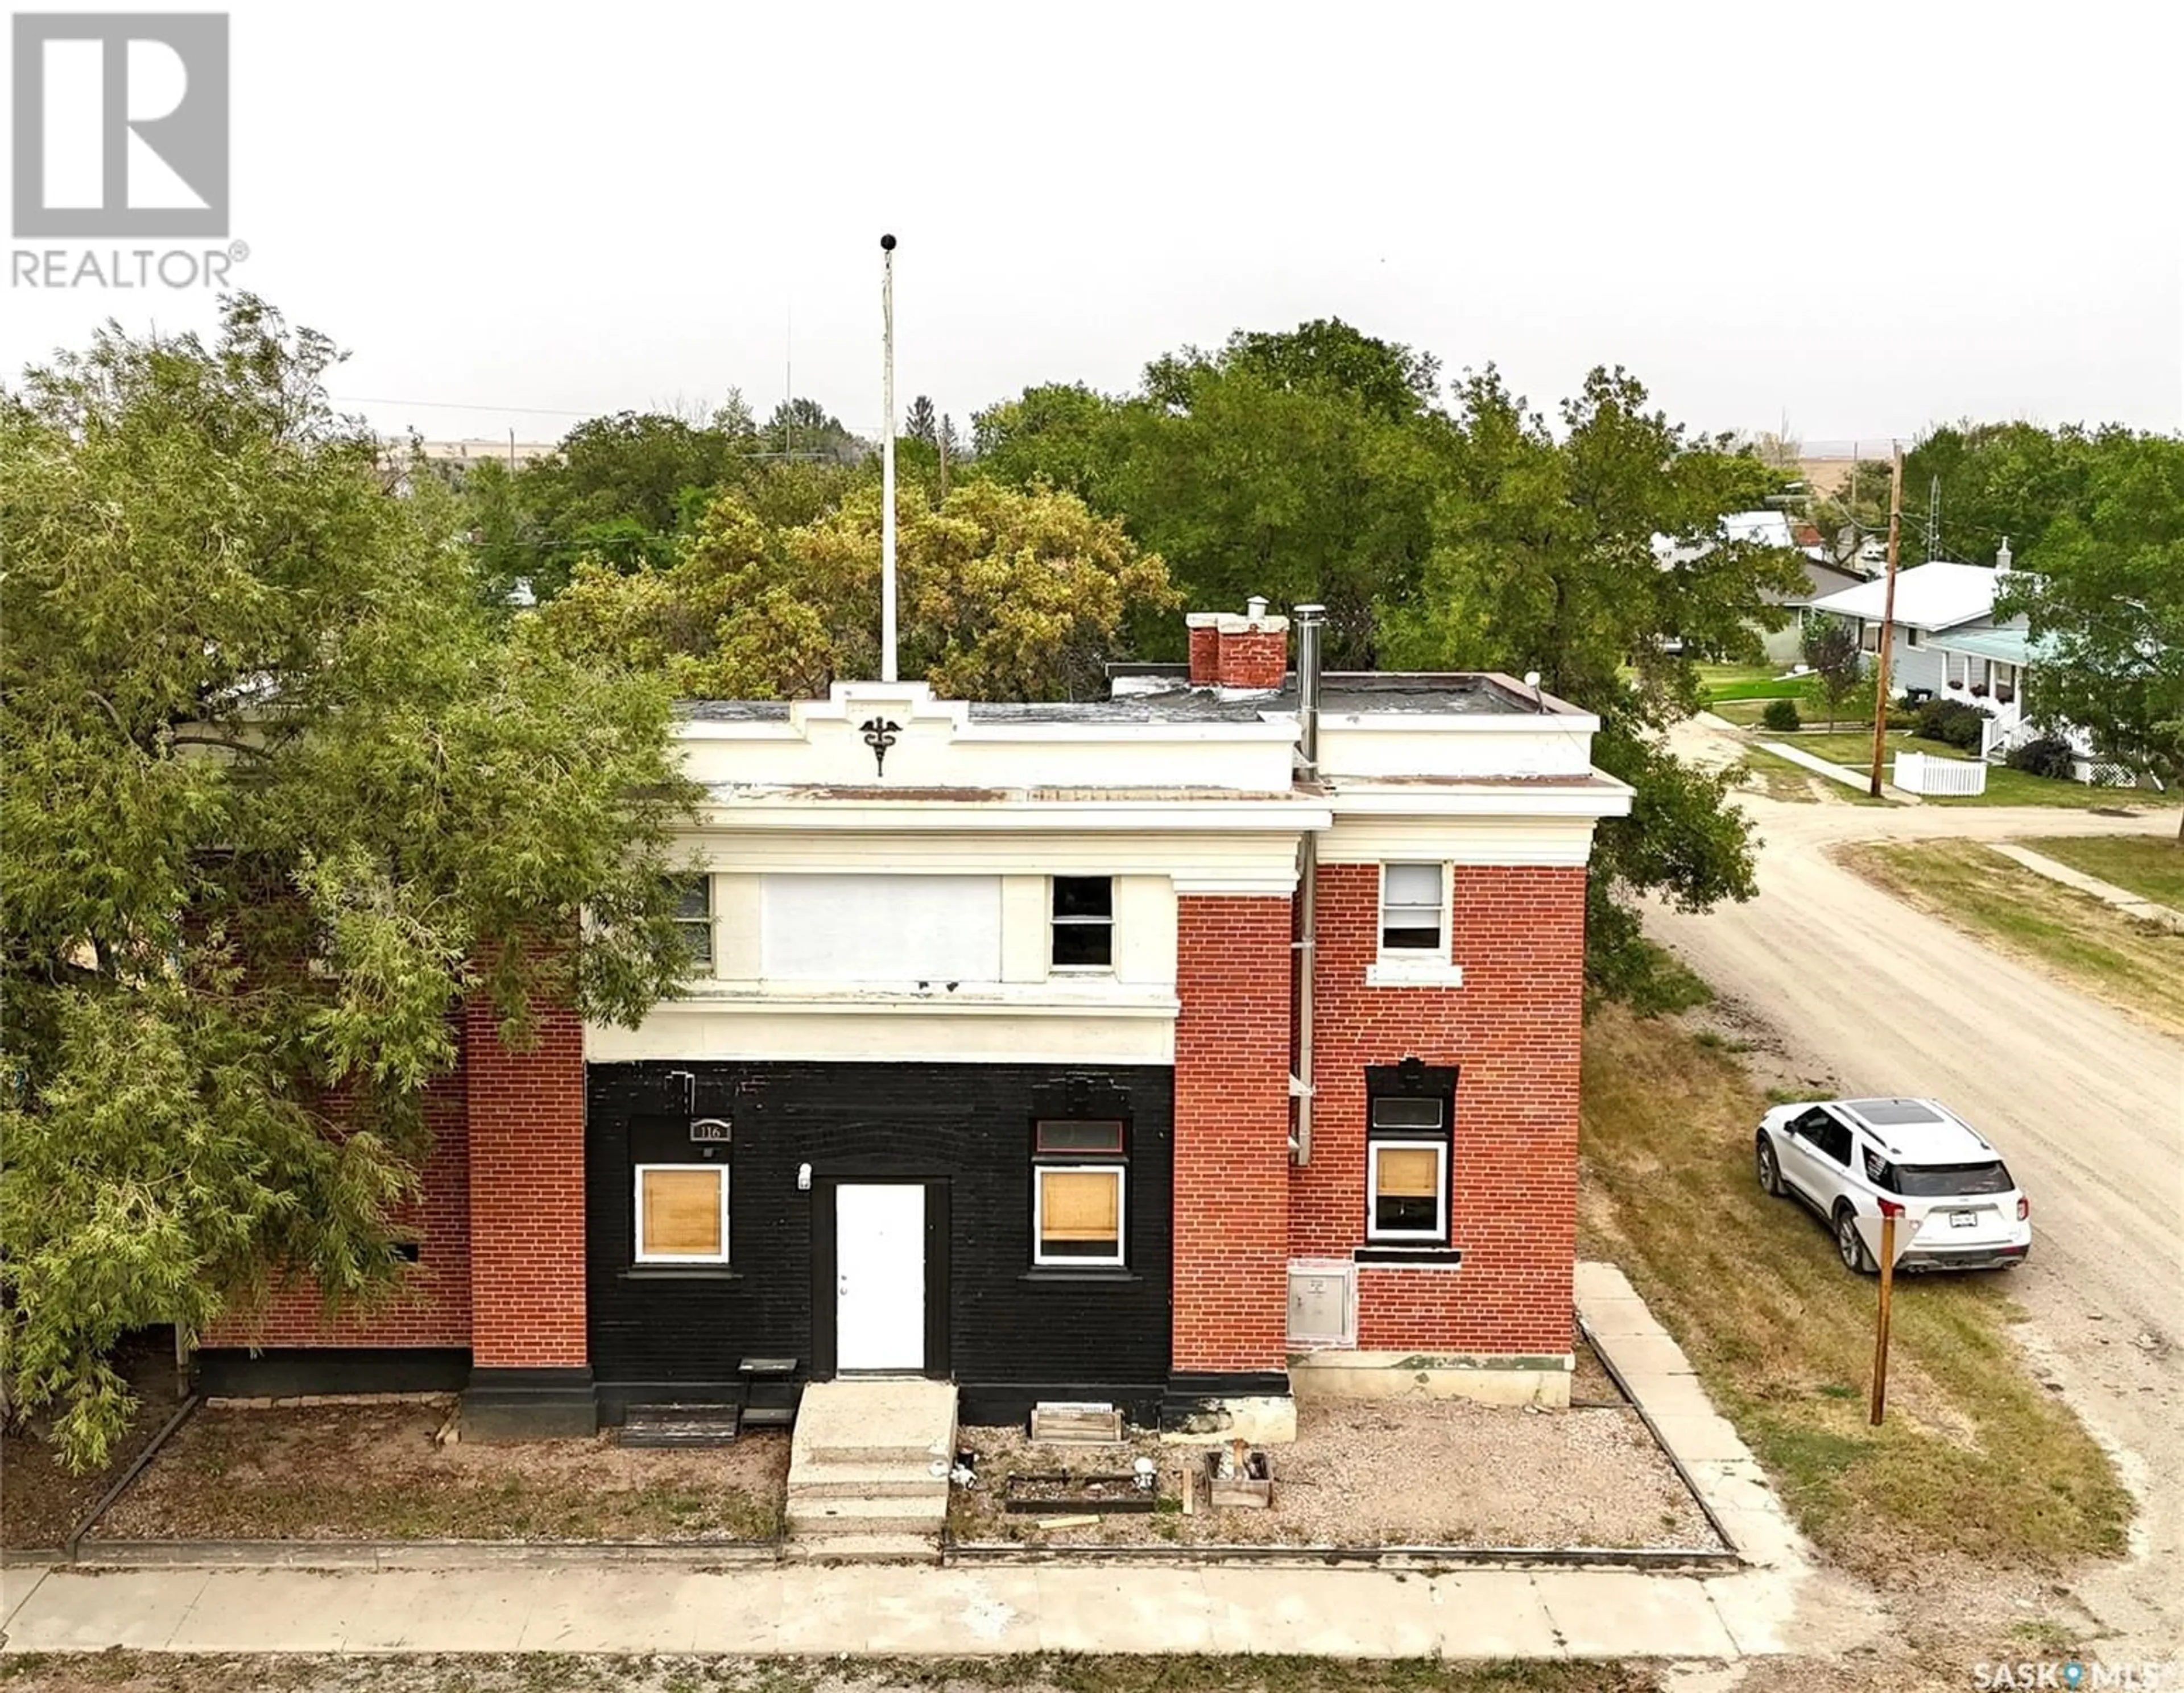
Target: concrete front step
(868, 1481)
(826, 1517)
(874, 1422)
(864, 1549)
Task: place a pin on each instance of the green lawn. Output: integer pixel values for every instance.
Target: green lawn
(1748, 682)
(1854, 749)
(2151, 866)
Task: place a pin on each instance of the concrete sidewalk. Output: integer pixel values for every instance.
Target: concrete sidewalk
(2130, 903)
(1778, 1603)
(901, 1610)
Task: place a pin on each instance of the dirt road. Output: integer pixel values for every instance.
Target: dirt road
(2087, 1103)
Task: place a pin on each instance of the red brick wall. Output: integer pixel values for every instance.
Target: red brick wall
(1258, 658)
(526, 1194)
(433, 1307)
(1232, 1120)
(1204, 656)
(1513, 1029)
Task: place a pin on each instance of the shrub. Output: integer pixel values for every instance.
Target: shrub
(1902, 719)
(1952, 723)
(1781, 715)
(2051, 756)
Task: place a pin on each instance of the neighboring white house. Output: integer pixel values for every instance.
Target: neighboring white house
(1785, 645)
(1948, 639)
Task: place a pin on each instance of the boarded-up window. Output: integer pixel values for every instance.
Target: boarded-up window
(1080, 1214)
(682, 1213)
(899, 930)
(1407, 1189)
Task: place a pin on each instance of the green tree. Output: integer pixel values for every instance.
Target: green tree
(280, 798)
(1831, 652)
(1003, 594)
(1543, 559)
(922, 422)
(2105, 604)
(1062, 434)
(1302, 466)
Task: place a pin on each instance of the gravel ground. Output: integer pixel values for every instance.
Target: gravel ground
(1363, 1472)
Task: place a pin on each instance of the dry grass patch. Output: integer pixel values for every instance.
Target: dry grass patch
(1976, 1460)
(372, 1472)
(2093, 946)
(689, 1673)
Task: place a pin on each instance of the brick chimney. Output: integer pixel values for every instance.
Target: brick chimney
(1252, 651)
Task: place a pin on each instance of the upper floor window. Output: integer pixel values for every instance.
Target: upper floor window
(1411, 908)
(693, 916)
(1083, 924)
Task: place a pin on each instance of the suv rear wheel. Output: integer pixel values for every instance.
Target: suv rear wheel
(1851, 1245)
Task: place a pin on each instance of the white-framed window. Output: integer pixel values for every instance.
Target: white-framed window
(1076, 1214)
(1913, 635)
(1082, 922)
(682, 1214)
(1407, 1168)
(1413, 908)
(1868, 637)
(693, 916)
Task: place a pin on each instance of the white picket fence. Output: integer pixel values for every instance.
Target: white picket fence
(1924, 773)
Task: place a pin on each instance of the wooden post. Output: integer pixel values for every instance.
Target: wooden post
(1888, 1215)
(1887, 632)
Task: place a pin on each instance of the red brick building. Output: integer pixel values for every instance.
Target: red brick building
(1188, 1049)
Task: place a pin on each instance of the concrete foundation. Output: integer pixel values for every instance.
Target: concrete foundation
(1266, 1421)
(1490, 1378)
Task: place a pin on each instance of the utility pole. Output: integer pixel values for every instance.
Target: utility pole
(940, 440)
(1887, 622)
(1933, 520)
(1890, 1211)
(887, 460)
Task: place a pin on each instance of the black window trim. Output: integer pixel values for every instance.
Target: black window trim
(1079, 1099)
(1412, 1078)
(1056, 921)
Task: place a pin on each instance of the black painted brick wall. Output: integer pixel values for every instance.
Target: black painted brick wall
(970, 1122)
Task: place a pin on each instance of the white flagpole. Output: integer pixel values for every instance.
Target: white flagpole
(886, 462)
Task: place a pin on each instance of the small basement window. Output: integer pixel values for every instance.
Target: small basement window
(1076, 1214)
(1083, 922)
(682, 1214)
(1411, 907)
(693, 916)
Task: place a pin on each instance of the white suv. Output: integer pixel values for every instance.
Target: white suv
(1843, 1157)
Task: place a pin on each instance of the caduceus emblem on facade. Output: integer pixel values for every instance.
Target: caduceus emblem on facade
(879, 736)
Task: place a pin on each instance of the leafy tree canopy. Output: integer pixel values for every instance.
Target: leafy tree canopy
(1543, 559)
(280, 797)
(1003, 593)
(2105, 602)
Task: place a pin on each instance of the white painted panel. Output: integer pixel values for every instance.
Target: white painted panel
(879, 1277)
(1513, 745)
(739, 912)
(883, 929)
(1025, 950)
(883, 1033)
(1458, 840)
(1256, 861)
(1144, 931)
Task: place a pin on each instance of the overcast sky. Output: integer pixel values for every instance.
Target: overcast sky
(1865, 217)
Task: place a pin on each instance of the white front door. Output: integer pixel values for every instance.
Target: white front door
(879, 1277)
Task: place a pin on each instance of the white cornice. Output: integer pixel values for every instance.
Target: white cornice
(1019, 815)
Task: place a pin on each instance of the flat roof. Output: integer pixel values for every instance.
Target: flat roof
(1461, 693)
